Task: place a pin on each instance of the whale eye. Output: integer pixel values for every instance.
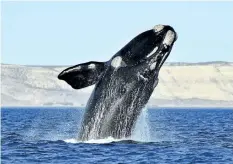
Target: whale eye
(158, 28)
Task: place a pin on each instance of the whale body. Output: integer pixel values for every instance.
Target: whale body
(123, 85)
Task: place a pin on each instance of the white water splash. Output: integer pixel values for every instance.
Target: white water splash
(142, 129)
(96, 141)
(140, 133)
(71, 140)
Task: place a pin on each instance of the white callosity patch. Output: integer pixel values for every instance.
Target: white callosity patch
(152, 52)
(158, 28)
(74, 69)
(169, 38)
(116, 62)
(91, 66)
(163, 59)
(152, 66)
(142, 77)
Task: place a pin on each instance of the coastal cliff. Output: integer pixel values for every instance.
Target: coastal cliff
(180, 85)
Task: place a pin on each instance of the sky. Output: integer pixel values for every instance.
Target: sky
(68, 33)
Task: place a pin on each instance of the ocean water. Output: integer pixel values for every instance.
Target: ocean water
(48, 135)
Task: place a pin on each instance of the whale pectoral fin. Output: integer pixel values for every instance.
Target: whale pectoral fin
(82, 75)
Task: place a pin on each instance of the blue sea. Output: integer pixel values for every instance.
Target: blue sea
(162, 135)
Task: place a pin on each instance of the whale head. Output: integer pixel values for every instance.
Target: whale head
(144, 55)
(151, 47)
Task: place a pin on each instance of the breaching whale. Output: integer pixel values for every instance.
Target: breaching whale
(123, 85)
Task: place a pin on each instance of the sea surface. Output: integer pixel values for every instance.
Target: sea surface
(48, 135)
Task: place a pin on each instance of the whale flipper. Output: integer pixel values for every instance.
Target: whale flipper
(82, 75)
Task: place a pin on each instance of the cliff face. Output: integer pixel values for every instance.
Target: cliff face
(180, 84)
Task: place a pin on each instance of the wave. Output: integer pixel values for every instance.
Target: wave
(105, 141)
(140, 134)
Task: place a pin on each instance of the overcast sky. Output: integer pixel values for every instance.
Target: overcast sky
(67, 33)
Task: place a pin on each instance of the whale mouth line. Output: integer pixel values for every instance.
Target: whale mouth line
(157, 58)
(159, 54)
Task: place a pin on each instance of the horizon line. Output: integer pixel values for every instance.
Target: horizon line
(166, 63)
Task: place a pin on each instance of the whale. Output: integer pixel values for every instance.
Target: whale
(123, 84)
